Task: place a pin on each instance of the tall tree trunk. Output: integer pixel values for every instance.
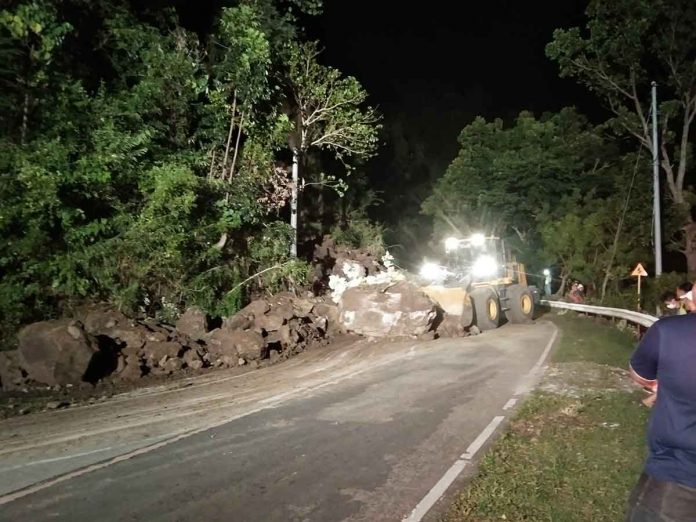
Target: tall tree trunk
(229, 134)
(25, 120)
(561, 289)
(690, 250)
(236, 145)
(321, 206)
(293, 201)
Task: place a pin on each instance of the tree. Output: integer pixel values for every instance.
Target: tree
(328, 113)
(598, 240)
(625, 45)
(105, 185)
(36, 35)
(504, 178)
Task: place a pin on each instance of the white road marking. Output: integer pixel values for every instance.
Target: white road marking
(436, 492)
(453, 472)
(509, 404)
(55, 459)
(482, 438)
(545, 354)
(529, 381)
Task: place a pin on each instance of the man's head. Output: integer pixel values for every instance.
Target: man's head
(669, 299)
(689, 301)
(684, 289)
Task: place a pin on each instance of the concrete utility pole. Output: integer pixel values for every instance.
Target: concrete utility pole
(293, 201)
(656, 186)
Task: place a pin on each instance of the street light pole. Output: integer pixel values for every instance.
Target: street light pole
(656, 186)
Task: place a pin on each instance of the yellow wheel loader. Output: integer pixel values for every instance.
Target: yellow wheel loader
(480, 283)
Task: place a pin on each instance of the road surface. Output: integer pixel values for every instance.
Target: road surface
(356, 432)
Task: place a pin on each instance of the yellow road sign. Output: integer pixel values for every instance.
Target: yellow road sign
(639, 271)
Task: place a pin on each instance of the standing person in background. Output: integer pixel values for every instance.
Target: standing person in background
(666, 490)
(547, 281)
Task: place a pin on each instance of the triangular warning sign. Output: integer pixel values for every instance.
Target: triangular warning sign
(639, 271)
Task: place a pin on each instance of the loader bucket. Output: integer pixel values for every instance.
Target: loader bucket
(454, 301)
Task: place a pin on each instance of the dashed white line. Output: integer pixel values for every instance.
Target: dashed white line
(55, 459)
(453, 472)
(436, 492)
(509, 404)
(482, 438)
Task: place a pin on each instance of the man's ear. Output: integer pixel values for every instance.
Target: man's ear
(690, 304)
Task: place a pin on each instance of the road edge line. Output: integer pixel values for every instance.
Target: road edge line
(441, 486)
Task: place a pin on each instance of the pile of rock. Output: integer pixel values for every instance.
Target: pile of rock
(331, 259)
(101, 342)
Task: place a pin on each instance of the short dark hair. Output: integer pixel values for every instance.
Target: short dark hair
(669, 296)
(686, 286)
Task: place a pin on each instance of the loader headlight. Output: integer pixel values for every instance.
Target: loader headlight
(477, 240)
(451, 243)
(432, 272)
(484, 266)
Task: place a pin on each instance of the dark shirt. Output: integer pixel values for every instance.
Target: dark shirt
(667, 353)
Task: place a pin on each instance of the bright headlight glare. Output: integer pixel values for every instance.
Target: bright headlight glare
(477, 239)
(484, 266)
(451, 243)
(431, 271)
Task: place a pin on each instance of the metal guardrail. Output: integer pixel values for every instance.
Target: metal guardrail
(642, 319)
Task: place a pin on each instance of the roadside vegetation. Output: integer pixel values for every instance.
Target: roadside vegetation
(576, 446)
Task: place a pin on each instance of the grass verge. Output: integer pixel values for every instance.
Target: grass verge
(575, 447)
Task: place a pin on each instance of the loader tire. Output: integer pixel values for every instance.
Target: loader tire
(520, 304)
(487, 313)
(467, 317)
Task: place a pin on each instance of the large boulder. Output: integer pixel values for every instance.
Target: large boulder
(55, 352)
(391, 310)
(246, 344)
(101, 320)
(194, 323)
(327, 314)
(11, 376)
(271, 322)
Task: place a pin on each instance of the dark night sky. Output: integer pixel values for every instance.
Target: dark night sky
(439, 64)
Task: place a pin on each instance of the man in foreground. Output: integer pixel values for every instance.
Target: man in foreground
(666, 490)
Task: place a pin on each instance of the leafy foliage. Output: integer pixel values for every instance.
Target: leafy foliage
(504, 179)
(626, 45)
(111, 160)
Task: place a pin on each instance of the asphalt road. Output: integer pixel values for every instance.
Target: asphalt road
(363, 432)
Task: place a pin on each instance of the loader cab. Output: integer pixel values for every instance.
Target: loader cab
(482, 257)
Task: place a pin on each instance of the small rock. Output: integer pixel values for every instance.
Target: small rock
(302, 307)
(120, 365)
(160, 337)
(173, 365)
(239, 321)
(54, 405)
(271, 322)
(74, 332)
(285, 311)
(274, 355)
(284, 335)
(474, 330)
(241, 362)
(195, 365)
